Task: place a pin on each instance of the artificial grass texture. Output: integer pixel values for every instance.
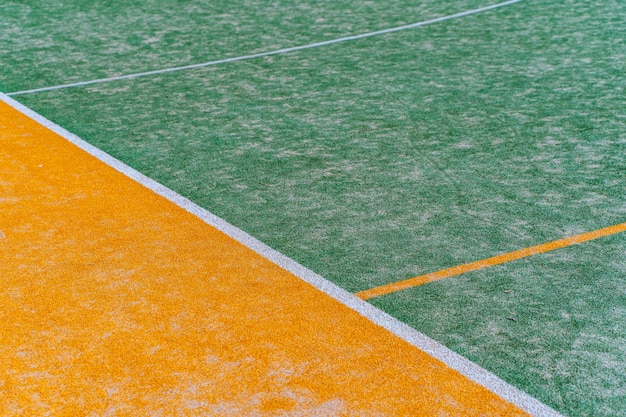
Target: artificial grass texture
(551, 325)
(54, 42)
(374, 160)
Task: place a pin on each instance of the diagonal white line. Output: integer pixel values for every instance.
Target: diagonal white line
(274, 52)
(455, 361)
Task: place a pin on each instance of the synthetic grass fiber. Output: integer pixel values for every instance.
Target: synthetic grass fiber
(380, 159)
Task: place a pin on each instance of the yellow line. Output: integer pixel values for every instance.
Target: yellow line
(494, 260)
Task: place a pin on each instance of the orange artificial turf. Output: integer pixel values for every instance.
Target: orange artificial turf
(115, 301)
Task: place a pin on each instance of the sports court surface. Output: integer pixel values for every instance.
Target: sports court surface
(421, 174)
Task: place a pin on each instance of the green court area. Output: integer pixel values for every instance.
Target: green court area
(374, 160)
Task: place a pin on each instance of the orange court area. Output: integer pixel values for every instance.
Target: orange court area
(117, 302)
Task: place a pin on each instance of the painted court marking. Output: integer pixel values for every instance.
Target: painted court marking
(494, 260)
(403, 331)
(269, 53)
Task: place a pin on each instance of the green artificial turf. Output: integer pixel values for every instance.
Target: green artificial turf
(552, 325)
(57, 42)
(376, 160)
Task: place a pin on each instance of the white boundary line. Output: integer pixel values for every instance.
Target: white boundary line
(263, 54)
(405, 332)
